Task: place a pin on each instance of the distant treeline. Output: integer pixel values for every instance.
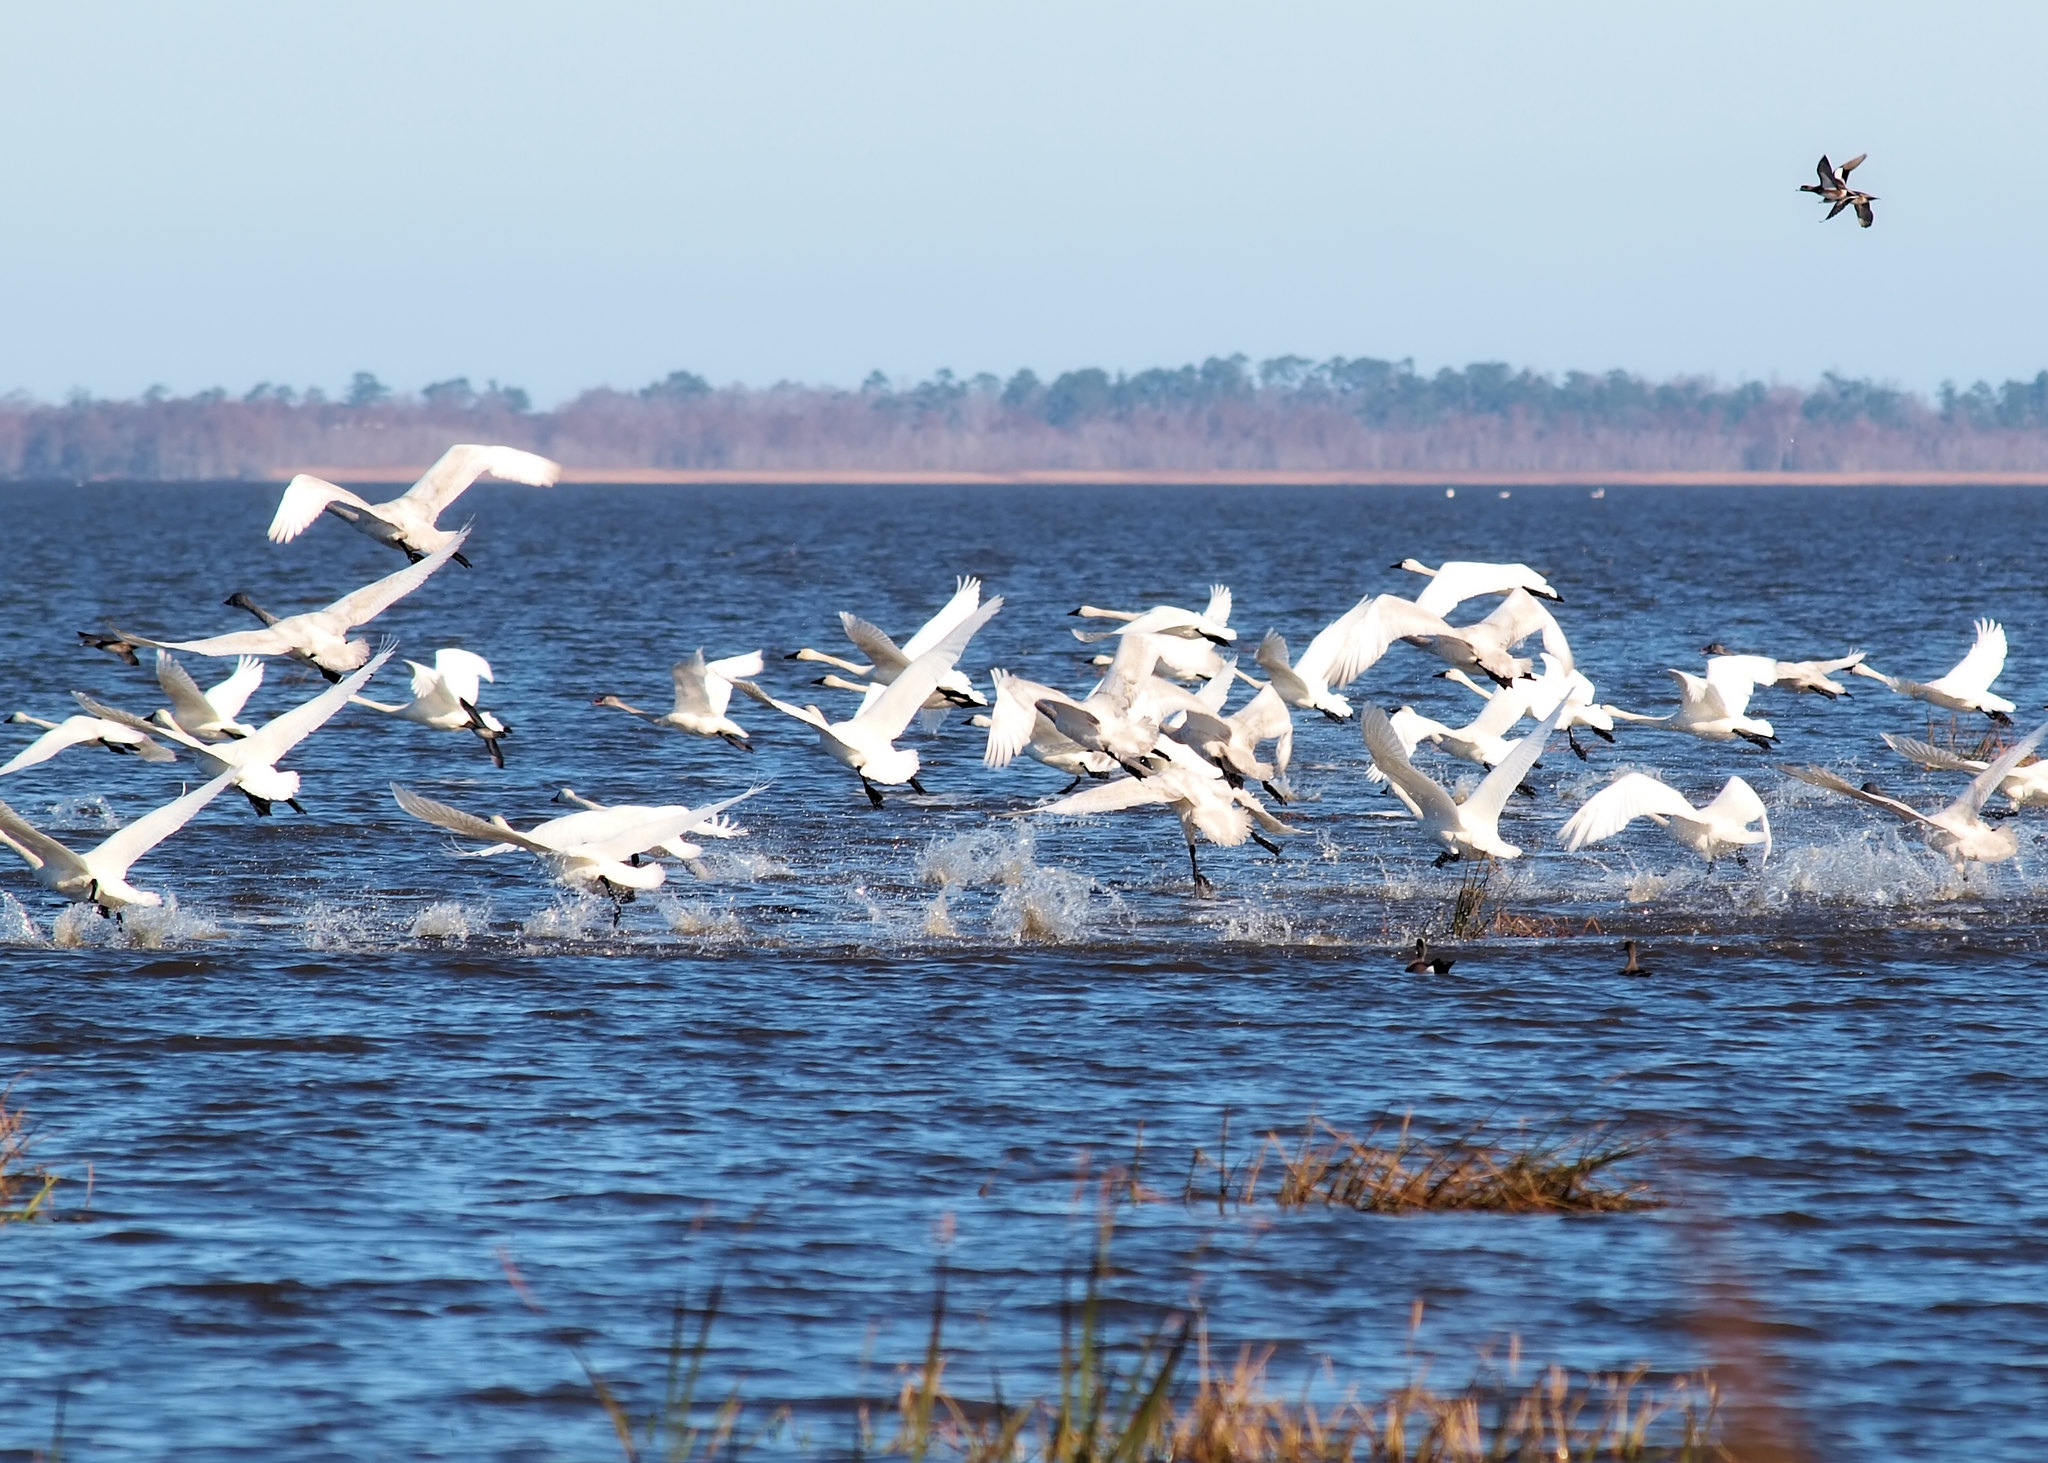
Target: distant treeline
(1287, 413)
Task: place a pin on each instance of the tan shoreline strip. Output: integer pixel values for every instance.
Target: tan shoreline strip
(862, 477)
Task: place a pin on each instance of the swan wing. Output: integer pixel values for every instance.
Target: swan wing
(365, 604)
(891, 711)
(808, 715)
(464, 463)
(1216, 690)
(461, 671)
(718, 677)
(1104, 797)
(465, 825)
(1352, 643)
(305, 499)
(1822, 778)
(1013, 719)
(192, 707)
(1499, 785)
(1975, 672)
(872, 642)
(1460, 580)
(104, 714)
(966, 599)
(1631, 796)
(693, 686)
(1521, 615)
(1266, 718)
(269, 640)
(1501, 711)
(1737, 802)
(1217, 611)
(69, 732)
(280, 734)
(1418, 789)
(1929, 755)
(1734, 677)
(38, 847)
(228, 697)
(1986, 782)
(117, 854)
(644, 832)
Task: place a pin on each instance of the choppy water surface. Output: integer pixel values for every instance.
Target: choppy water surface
(323, 1093)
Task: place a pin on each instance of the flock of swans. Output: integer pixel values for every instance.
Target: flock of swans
(1154, 730)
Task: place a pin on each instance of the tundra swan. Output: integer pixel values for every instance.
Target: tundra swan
(715, 826)
(1714, 707)
(1559, 682)
(445, 696)
(1458, 580)
(601, 851)
(72, 731)
(865, 741)
(1232, 742)
(2023, 786)
(115, 644)
(250, 762)
(1487, 646)
(209, 715)
(1958, 830)
(1197, 792)
(1188, 652)
(1968, 686)
(703, 691)
(1343, 651)
(1816, 676)
(407, 521)
(889, 659)
(1047, 745)
(319, 638)
(1713, 831)
(1121, 717)
(1470, 829)
(100, 875)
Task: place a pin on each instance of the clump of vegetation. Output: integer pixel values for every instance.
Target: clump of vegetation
(25, 1187)
(1549, 1170)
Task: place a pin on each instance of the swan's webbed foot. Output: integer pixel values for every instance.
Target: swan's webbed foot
(457, 556)
(741, 742)
(1740, 862)
(1571, 735)
(1203, 888)
(1267, 844)
(295, 806)
(1757, 739)
(261, 805)
(1448, 856)
(2000, 717)
(1525, 790)
(874, 793)
(1331, 714)
(1604, 735)
(1277, 791)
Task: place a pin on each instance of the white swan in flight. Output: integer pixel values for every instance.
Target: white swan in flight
(1120, 718)
(445, 696)
(408, 521)
(1470, 829)
(1458, 580)
(74, 731)
(703, 692)
(1816, 676)
(1049, 746)
(1487, 646)
(1957, 830)
(319, 638)
(889, 659)
(1342, 651)
(591, 849)
(1715, 707)
(1189, 652)
(1968, 686)
(250, 762)
(1199, 795)
(1714, 831)
(208, 715)
(715, 825)
(1559, 682)
(865, 742)
(2024, 786)
(100, 875)
(1232, 742)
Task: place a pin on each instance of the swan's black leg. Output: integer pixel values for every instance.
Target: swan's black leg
(918, 788)
(873, 792)
(1203, 888)
(1070, 787)
(1571, 734)
(1267, 844)
(1448, 856)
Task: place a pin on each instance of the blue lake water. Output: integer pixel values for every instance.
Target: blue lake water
(320, 1098)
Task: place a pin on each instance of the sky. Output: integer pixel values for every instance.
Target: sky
(563, 196)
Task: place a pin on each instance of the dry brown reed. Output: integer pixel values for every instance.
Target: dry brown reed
(1555, 1169)
(25, 1187)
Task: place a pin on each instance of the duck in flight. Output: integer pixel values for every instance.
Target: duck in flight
(1834, 188)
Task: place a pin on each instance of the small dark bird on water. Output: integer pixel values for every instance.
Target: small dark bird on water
(1634, 967)
(1425, 963)
(1834, 188)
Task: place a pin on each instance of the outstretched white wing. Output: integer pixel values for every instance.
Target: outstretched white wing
(464, 825)
(1418, 789)
(1460, 580)
(890, 712)
(305, 499)
(280, 734)
(1734, 677)
(1986, 782)
(1975, 672)
(1821, 777)
(1013, 717)
(1493, 793)
(461, 671)
(966, 599)
(1631, 796)
(1218, 610)
(365, 604)
(463, 464)
(229, 696)
(718, 677)
(116, 855)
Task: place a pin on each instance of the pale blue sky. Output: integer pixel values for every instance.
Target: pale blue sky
(567, 195)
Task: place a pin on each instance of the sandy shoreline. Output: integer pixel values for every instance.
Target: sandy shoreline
(862, 477)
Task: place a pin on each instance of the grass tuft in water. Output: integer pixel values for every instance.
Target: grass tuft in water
(1546, 1171)
(25, 1186)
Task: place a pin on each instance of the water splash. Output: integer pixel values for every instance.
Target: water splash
(80, 815)
(698, 920)
(449, 919)
(991, 856)
(938, 920)
(17, 925)
(164, 926)
(329, 926)
(83, 927)
(1051, 905)
(570, 917)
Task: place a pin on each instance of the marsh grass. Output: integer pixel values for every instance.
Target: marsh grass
(25, 1186)
(1389, 1169)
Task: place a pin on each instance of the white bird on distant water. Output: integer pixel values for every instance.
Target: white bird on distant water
(865, 742)
(2023, 786)
(319, 638)
(600, 849)
(408, 521)
(75, 731)
(1968, 686)
(1458, 580)
(1714, 707)
(209, 715)
(889, 659)
(250, 762)
(1197, 792)
(703, 691)
(1816, 676)
(445, 695)
(100, 876)
(1713, 831)
(1958, 830)
(1470, 829)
